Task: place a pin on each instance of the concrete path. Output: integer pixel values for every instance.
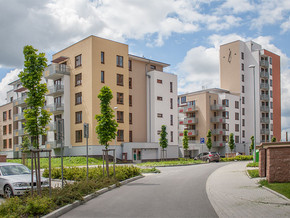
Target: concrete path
(233, 194)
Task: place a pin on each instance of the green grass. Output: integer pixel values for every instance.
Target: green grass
(253, 164)
(282, 188)
(150, 170)
(67, 161)
(254, 173)
(181, 161)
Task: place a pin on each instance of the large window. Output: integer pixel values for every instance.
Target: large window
(10, 117)
(102, 76)
(78, 61)
(236, 116)
(120, 98)
(5, 143)
(120, 80)
(236, 104)
(183, 99)
(226, 114)
(78, 79)
(4, 115)
(120, 116)
(102, 57)
(79, 136)
(120, 135)
(119, 61)
(78, 98)
(237, 139)
(79, 117)
(10, 128)
(4, 130)
(237, 129)
(225, 102)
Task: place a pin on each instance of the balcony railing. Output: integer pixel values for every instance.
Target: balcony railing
(264, 97)
(218, 119)
(217, 107)
(19, 101)
(264, 74)
(18, 132)
(264, 86)
(264, 63)
(189, 108)
(52, 145)
(190, 132)
(55, 90)
(19, 116)
(218, 132)
(188, 121)
(54, 71)
(265, 108)
(218, 144)
(265, 131)
(56, 107)
(51, 127)
(265, 120)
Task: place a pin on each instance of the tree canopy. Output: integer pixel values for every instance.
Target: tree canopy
(208, 141)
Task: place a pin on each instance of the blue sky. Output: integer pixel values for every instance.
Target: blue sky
(183, 33)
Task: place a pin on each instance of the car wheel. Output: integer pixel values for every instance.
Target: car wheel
(207, 160)
(8, 192)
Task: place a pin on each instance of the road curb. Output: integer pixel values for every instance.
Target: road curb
(180, 165)
(67, 208)
(278, 194)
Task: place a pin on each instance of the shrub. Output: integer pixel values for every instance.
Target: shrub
(12, 207)
(237, 158)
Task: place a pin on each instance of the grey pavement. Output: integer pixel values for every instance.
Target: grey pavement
(233, 194)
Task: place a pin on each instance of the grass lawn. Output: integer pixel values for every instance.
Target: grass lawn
(150, 170)
(254, 173)
(253, 164)
(170, 163)
(282, 188)
(67, 162)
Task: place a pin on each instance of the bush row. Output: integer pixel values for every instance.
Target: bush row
(237, 158)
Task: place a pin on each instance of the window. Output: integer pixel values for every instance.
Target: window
(236, 116)
(130, 118)
(171, 103)
(242, 55)
(120, 78)
(171, 87)
(243, 67)
(171, 120)
(225, 102)
(159, 98)
(130, 83)
(79, 135)
(225, 138)
(226, 126)
(43, 139)
(10, 128)
(11, 99)
(120, 135)
(119, 61)
(271, 82)
(102, 76)
(130, 100)
(78, 61)
(243, 78)
(4, 130)
(79, 117)
(270, 60)
(102, 57)
(243, 89)
(4, 115)
(120, 116)
(120, 98)
(159, 81)
(271, 94)
(9, 114)
(171, 136)
(243, 111)
(271, 105)
(271, 116)
(243, 133)
(271, 71)
(130, 136)
(183, 99)
(236, 127)
(5, 143)
(152, 67)
(237, 139)
(57, 101)
(78, 79)
(159, 115)
(130, 65)
(10, 143)
(243, 100)
(236, 104)
(78, 98)
(56, 117)
(158, 132)
(226, 114)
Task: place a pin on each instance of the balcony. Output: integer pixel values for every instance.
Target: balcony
(55, 108)
(18, 132)
(188, 121)
(18, 117)
(265, 120)
(265, 131)
(55, 90)
(217, 107)
(56, 71)
(264, 97)
(265, 109)
(52, 145)
(264, 86)
(218, 144)
(218, 132)
(189, 108)
(190, 133)
(51, 127)
(264, 63)
(218, 119)
(20, 101)
(264, 74)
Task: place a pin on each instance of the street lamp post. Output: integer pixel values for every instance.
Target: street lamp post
(115, 108)
(253, 67)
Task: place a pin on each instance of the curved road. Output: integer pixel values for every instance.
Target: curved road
(176, 192)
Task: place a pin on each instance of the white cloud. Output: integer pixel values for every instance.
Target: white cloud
(4, 87)
(285, 26)
(237, 6)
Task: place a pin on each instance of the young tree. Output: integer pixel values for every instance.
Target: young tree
(273, 139)
(163, 142)
(208, 141)
(107, 125)
(252, 144)
(231, 142)
(185, 141)
(35, 116)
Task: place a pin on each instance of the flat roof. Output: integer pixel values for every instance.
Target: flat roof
(143, 59)
(211, 90)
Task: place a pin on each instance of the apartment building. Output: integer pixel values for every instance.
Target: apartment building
(6, 128)
(264, 94)
(74, 79)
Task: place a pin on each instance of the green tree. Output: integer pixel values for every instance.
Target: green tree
(252, 143)
(107, 125)
(208, 141)
(231, 142)
(35, 116)
(163, 142)
(273, 139)
(185, 141)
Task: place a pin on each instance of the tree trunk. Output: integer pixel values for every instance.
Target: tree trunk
(107, 162)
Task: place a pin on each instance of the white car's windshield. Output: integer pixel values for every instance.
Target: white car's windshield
(12, 170)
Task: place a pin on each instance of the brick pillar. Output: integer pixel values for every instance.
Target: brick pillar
(262, 162)
(2, 158)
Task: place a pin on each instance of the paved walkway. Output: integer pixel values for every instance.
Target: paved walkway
(233, 194)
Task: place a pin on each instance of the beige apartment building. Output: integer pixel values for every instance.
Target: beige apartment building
(6, 128)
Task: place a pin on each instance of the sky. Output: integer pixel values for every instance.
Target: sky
(183, 33)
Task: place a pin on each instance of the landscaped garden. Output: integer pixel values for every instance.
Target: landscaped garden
(180, 161)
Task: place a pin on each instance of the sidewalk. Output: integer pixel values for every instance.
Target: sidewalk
(233, 194)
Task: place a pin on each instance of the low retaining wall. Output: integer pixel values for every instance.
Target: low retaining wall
(3, 158)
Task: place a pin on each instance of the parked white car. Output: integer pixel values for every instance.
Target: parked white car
(15, 179)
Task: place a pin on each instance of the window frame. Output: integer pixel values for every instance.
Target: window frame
(78, 95)
(102, 57)
(78, 63)
(120, 116)
(120, 135)
(80, 134)
(120, 98)
(120, 61)
(78, 79)
(78, 114)
(120, 79)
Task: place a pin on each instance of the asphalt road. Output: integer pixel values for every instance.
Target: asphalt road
(176, 192)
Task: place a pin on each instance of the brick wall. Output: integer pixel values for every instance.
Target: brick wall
(262, 162)
(2, 158)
